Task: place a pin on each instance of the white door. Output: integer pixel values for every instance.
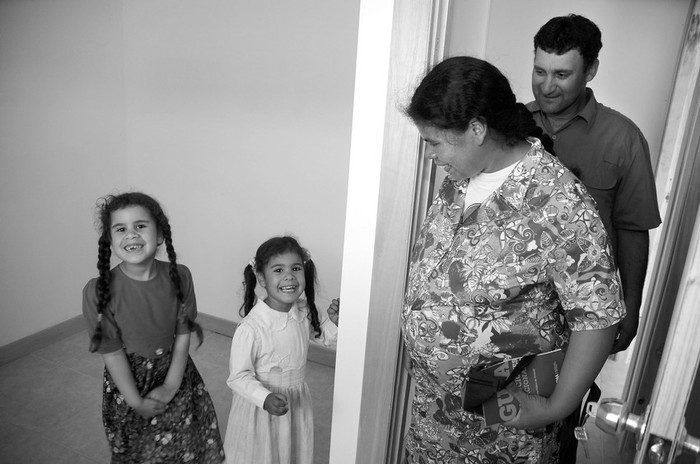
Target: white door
(659, 430)
(660, 408)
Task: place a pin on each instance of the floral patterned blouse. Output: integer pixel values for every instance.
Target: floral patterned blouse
(512, 278)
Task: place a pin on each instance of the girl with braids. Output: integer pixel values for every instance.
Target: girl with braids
(271, 418)
(155, 407)
(512, 260)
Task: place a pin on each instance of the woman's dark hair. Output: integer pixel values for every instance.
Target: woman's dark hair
(106, 206)
(573, 32)
(464, 88)
(275, 247)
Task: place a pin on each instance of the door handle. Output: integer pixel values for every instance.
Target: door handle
(614, 417)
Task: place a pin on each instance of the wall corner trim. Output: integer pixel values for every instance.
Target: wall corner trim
(27, 345)
(41, 339)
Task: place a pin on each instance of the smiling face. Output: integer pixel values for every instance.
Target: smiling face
(559, 82)
(457, 153)
(134, 236)
(283, 279)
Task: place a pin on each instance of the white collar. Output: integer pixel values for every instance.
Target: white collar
(277, 320)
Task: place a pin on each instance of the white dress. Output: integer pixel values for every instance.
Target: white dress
(268, 354)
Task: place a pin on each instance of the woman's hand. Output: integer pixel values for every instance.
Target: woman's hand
(276, 404)
(585, 356)
(535, 411)
(334, 310)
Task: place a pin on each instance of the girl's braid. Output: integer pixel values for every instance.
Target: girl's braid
(175, 277)
(104, 252)
(249, 283)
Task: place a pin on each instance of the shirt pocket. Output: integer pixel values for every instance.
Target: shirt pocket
(601, 183)
(601, 177)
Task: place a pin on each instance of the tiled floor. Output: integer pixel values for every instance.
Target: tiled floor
(50, 402)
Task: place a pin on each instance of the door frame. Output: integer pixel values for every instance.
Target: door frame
(679, 363)
(394, 50)
(679, 194)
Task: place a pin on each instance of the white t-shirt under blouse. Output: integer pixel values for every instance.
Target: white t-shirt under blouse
(484, 184)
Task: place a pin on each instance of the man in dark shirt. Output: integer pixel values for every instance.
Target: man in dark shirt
(605, 149)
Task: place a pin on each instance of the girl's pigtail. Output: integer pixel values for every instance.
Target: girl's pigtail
(249, 283)
(103, 283)
(96, 339)
(310, 291)
(192, 326)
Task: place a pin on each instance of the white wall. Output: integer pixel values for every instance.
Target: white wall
(242, 111)
(641, 44)
(235, 115)
(62, 143)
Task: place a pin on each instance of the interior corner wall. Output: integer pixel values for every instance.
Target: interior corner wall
(238, 117)
(235, 115)
(641, 46)
(61, 143)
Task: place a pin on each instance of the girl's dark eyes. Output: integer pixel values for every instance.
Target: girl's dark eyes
(138, 226)
(295, 268)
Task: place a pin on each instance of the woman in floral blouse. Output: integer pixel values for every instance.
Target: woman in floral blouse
(512, 260)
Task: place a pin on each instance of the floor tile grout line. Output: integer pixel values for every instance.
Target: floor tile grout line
(65, 366)
(71, 450)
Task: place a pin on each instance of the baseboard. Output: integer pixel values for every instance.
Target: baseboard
(40, 340)
(27, 345)
(216, 324)
(322, 355)
(317, 353)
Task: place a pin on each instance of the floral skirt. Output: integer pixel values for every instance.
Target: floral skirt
(187, 432)
(254, 436)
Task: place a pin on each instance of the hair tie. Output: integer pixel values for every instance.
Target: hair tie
(252, 263)
(307, 256)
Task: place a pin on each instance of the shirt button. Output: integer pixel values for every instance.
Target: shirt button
(554, 137)
(159, 351)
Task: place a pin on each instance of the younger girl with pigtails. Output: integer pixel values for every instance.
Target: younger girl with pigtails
(271, 418)
(140, 314)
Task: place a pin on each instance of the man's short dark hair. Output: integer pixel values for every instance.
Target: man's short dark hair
(572, 32)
